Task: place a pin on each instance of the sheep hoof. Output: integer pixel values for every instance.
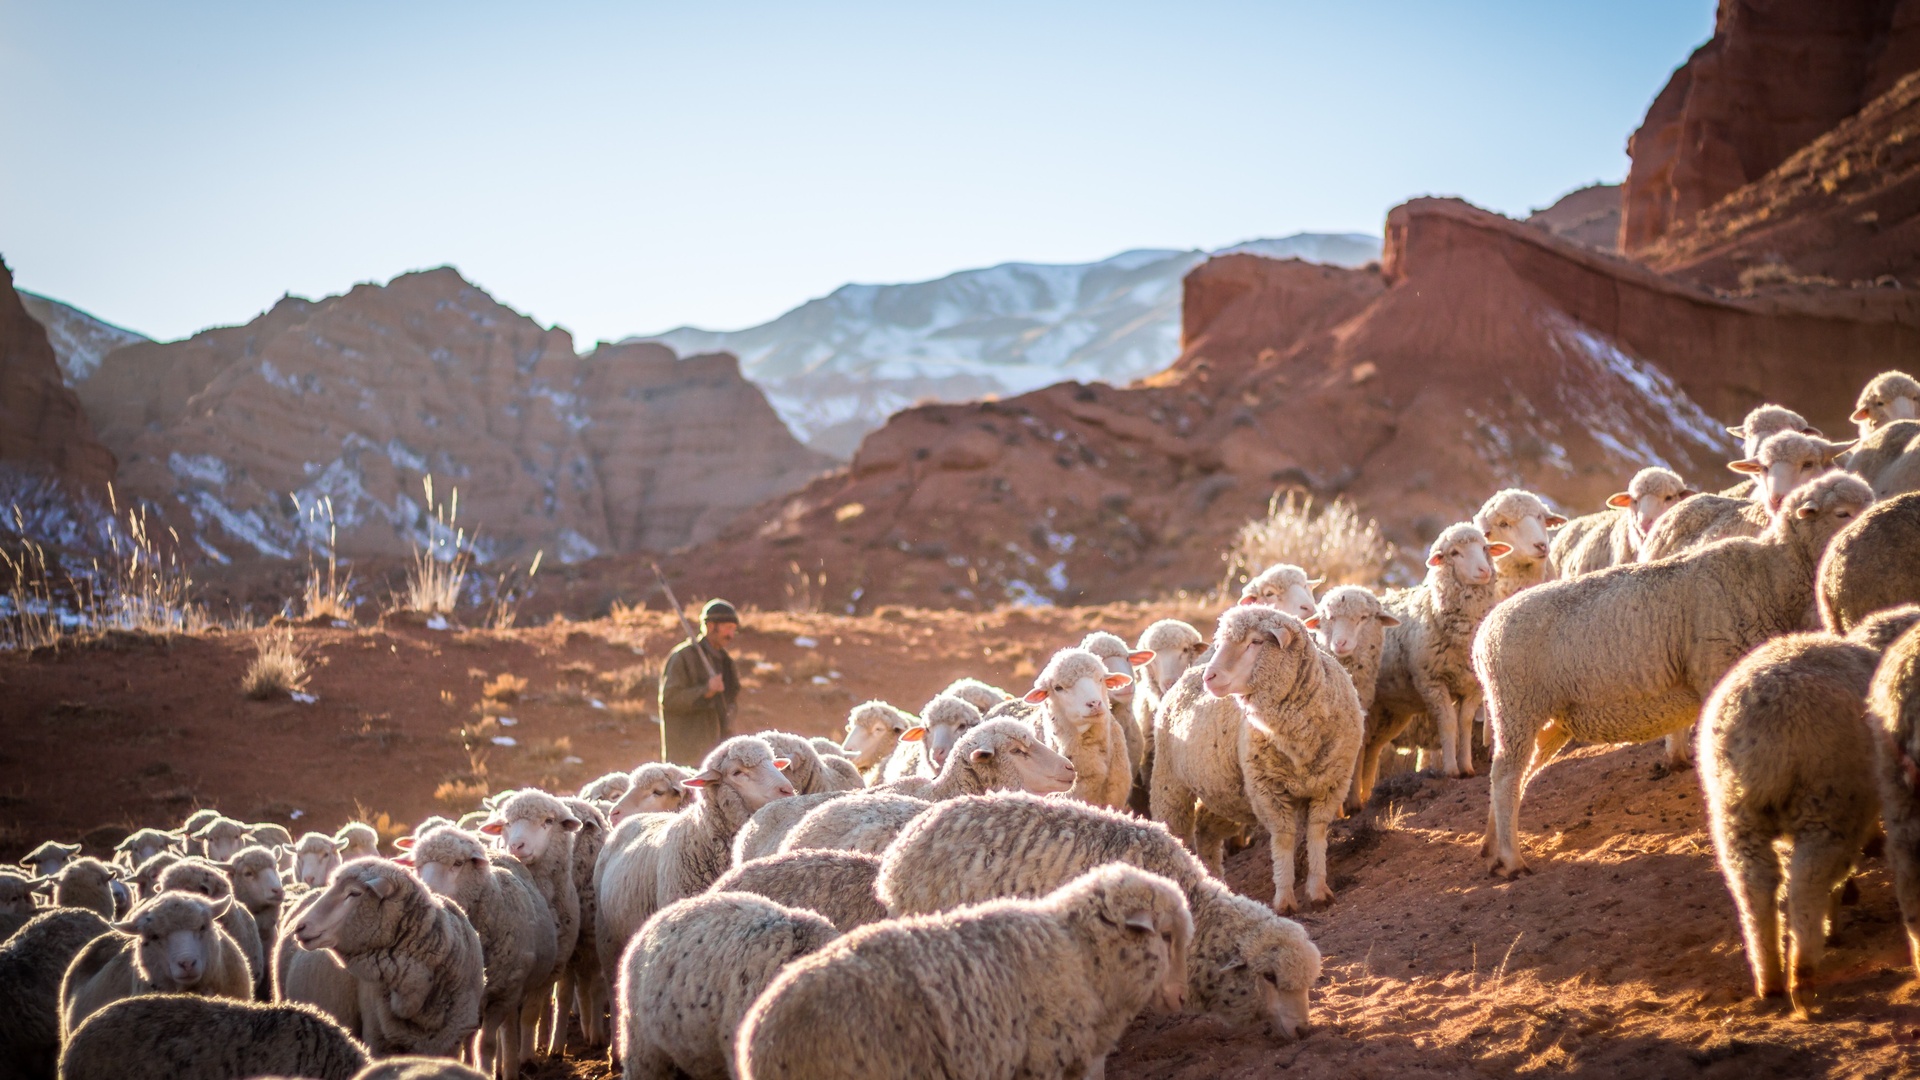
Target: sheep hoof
(1804, 1001)
(1319, 896)
(1283, 903)
(1503, 869)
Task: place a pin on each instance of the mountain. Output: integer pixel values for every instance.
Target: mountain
(835, 368)
(1588, 215)
(80, 341)
(44, 435)
(358, 397)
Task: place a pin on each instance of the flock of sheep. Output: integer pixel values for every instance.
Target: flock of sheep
(998, 885)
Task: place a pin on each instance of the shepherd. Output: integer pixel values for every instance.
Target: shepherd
(698, 687)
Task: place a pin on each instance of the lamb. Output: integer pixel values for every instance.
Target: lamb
(517, 938)
(204, 878)
(1027, 987)
(657, 787)
(874, 729)
(178, 1037)
(539, 830)
(980, 695)
(84, 883)
(141, 845)
(943, 720)
(1783, 462)
(422, 978)
(1783, 756)
(1424, 660)
(1521, 520)
(1351, 623)
(255, 875)
(171, 944)
(357, 840)
(1079, 722)
(689, 978)
(221, 838)
(839, 885)
(47, 859)
(1288, 750)
(32, 963)
(1872, 565)
(607, 790)
(314, 859)
(1893, 711)
(1248, 967)
(1613, 536)
(1892, 395)
(1121, 660)
(999, 755)
(651, 860)
(1668, 630)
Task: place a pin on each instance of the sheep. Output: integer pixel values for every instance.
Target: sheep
(1351, 623)
(1521, 520)
(1892, 395)
(1176, 646)
(763, 833)
(221, 838)
(1893, 713)
(313, 978)
(418, 1068)
(17, 906)
(146, 876)
(84, 883)
(1113, 652)
(805, 769)
(1424, 659)
(357, 840)
(539, 830)
(199, 876)
(269, 835)
(32, 963)
(1766, 420)
(1881, 629)
(923, 751)
(314, 859)
(180, 1037)
(1078, 721)
(651, 860)
(47, 859)
(1889, 459)
(1614, 535)
(141, 845)
(608, 789)
(422, 978)
(839, 885)
(1784, 462)
(1783, 756)
(194, 823)
(1286, 751)
(583, 985)
(517, 938)
(1282, 586)
(255, 875)
(1038, 987)
(980, 695)
(658, 787)
(1632, 652)
(1874, 564)
(1248, 966)
(690, 976)
(874, 729)
(171, 944)
(999, 755)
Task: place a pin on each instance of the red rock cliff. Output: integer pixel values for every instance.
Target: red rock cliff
(43, 430)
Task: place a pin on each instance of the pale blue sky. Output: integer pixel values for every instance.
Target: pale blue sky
(621, 168)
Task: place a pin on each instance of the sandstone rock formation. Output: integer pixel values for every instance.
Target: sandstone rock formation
(80, 341)
(1776, 75)
(43, 432)
(356, 397)
(1588, 215)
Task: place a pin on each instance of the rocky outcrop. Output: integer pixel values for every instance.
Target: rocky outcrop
(1588, 215)
(1776, 75)
(357, 397)
(80, 341)
(43, 432)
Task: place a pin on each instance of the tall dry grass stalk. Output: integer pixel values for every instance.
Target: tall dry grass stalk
(509, 589)
(329, 597)
(439, 569)
(139, 585)
(277, 670)
(1336, 543)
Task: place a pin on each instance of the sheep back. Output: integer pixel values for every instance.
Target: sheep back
(182, 1037)
(32, 964)
(1873, 564)
(839, 885)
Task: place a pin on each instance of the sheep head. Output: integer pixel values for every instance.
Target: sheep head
(943, 721)
(874, 728)
(1767, 420)
(176, 943)
(1785, 461)
(1284, 587)
(1075, 685)
(746, 766)
(1343, 618)
(529, 822)
(1651, 493)
(657, 788)
(1892, 395)
(1519, 519)
(1464, 552)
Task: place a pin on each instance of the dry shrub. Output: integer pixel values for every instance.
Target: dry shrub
(1336, 544)
(550, 751)
(506, 687)
(383, 823)
(327, 596)
(439, 570)
(460, 794)
(632, 681)
(1761, 275)
(277, 670)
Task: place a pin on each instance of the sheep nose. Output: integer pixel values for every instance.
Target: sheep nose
(187, 969)
(785, 789)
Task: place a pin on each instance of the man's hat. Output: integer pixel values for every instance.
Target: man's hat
(719, 611)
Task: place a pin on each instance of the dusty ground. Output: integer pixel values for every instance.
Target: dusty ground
(1618, 957)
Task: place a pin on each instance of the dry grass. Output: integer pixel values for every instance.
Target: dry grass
(505, 687)
(509, 589)
(632, 681)
(460, 794)
(439, 570)
(140, 585)
(277, 670)
(327, 596)
(1336, 543)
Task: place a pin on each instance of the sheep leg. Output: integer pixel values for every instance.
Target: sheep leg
(1440, 706)
(1211, 833)
(507, 1060)
(593, 1009)
(1815, 871)
(532, 1012)
(1752, 870)
(1903, 841)
(1513, 748)
(562, 1009)
(1466, 710)
(1281, 816)
(645, 1061)
(1680, 748)
(1320, 814)
(1552, 737)
(1172, 804)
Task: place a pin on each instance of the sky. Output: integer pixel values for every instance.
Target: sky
(623, 168)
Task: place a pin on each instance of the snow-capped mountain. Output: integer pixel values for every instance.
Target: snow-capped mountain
(80, 341)
(835, 368)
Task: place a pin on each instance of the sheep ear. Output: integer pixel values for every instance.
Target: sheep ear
(1248, 601)
(1311, 622)
(983, 753)
(1860, 414)
(493, 826)
(913, 734)
(1436, 559)
(1738, 432)
(1279, 636)
(1746, 465)
(1387, 620)
(222, 906)
(702, 779)
(128, 925)
(778, 763)
(572, 824)
(403, 860)
(1620, 501)
(405, 843)
(1497, 549)
(1117, 681)
(1808, 511)
(1813, 431)
(1315, 583)
(1035, 696)
(380, 885)
(1141, 658)
(339, 845)
(1554, 521)
(1688, 493)
(1835, 449)
(1141, 920)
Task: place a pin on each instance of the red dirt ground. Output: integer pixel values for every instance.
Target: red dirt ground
(1619, 956)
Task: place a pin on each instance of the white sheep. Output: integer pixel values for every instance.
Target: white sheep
(1889, 459)
(583, 984)
(1078, 721)
(83, 883)
(539, 830)
(47, 859)
(357, 840)
(1614, 535)
(318, 978)
(1873, 565)
(1248, 967)
(1765, 420)
(1631, 653)
(1286, 752)
(1893, 708)
(1784, 755)
(1892, 395)
(1176, 646)
(409, 1067)
(171, 944)
(1784, 461)
(1521, 520)
(999, 755)
(180, 1037)
(221, 838)
(146, 877)
(1351, 623)
(32, 962)
(422, 978)
(1026, 987)
(980, 695)
(1425, 660)
(607, 790)
(658, 787)
(314, 858)
(874, 730)
(209, 879)
(692, 973)
(1122, 660)
(763, 832)
(839, 885)
(805, 770)
(923, 750)
(254, 873)
(141, 845)
(651, 860)
(17, 905)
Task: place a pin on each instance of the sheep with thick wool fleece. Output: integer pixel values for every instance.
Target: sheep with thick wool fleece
(874, 731)
(209, 879)
(315, 856)
(1613, 536)
(658, 787)
(839, 885)
(311, 978)
(1122, 660)
(171, 944)
(583, 986)
(1666, 633)
(357, 840)
(1076, 718)
(32, 963)
(1761, 422)
(539, 829)
(84, 882)
(1873, 565)
(923, 750)
(1890, 396)
(1284, 587)
(1351, 624)
(1893, 711)
(182, 1037)
(980, 695)
(1522, 521)
(1784, 461)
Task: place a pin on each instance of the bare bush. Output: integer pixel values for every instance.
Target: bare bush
(1336, 543)
(277, 671)
(329, 596)
(439, 570)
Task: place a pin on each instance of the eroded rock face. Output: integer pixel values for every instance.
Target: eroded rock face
(43, 431)
(1776, 75)
(356, 397)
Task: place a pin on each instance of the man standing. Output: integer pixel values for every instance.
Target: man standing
(695, 706)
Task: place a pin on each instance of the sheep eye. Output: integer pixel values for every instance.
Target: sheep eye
(1270, 977)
